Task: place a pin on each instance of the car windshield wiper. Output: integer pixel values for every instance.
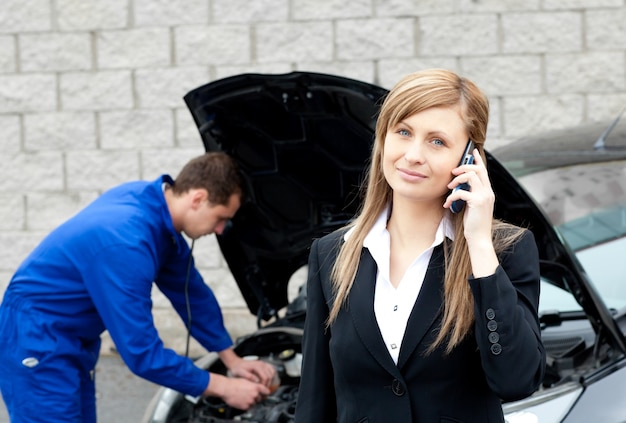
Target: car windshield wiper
(549, 318)
(600, 143)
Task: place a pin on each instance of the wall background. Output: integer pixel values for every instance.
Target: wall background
(91, 91)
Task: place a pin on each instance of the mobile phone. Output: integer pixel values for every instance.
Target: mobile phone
(467, 158)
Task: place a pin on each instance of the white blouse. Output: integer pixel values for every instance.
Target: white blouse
(393, 306)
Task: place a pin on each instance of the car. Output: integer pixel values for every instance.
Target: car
(303, 141)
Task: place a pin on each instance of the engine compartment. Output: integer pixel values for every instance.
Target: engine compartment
(573, 352)
(281, 347)
(574, 349)
(279, 407)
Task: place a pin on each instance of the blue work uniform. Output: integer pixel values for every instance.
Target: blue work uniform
(92, 273)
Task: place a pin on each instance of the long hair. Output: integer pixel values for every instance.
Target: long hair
(412, 94)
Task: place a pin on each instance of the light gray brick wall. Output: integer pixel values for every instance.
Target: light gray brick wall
(91, 91)
(245, 11)
(13, 213)
(102, 90)
(99, 170)
(133, 48)
(328, 10)
(298, 41)
(27, 92)
(45, 211)
(539, 32)
(606, 29)
(55, 52)
(18, 16)
(169, 13)
(162, 87)
(372, 39)
(137, 129)
(10, 134)
(27, 172)
(7, 54)
(59, 131)
(212, 45)
(87, 15)
(474, 35)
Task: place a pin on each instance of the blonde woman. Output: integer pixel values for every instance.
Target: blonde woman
(416, 313)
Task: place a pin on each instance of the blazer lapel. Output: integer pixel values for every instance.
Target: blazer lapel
(361, 306)
(426, 309)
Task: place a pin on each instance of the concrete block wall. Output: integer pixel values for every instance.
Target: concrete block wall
(91, 91)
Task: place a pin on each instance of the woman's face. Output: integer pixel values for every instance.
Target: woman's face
(421, 151)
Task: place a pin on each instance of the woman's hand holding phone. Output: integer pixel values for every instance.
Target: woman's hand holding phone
(478, 216)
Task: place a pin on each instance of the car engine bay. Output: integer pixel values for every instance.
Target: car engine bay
(570, 356)
(280, 347)
(279, 407)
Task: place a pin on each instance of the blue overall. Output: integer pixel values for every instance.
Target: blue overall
(92, 273)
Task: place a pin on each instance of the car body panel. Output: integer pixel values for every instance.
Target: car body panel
(603, 400)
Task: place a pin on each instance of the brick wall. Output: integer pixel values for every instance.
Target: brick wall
(91, 91)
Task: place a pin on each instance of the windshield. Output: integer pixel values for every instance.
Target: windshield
(587, 204)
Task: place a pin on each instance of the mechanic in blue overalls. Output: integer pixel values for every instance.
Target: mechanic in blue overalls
(95, 272)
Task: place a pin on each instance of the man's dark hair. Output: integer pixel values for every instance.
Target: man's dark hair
(215, 172)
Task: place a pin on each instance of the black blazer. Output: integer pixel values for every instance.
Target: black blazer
(348, 375)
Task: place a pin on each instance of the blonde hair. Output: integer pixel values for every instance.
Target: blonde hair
(412, 94)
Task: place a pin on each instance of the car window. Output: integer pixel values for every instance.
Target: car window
(599, 240)
(587, 205)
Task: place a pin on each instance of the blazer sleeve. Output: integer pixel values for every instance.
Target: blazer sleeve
(316, 396)
(507, 324)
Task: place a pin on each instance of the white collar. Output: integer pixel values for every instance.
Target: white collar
(445, 228)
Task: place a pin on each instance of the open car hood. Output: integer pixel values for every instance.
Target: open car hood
(303, 141)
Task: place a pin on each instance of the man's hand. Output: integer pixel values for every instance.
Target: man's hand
(252, 370)
(236, 392)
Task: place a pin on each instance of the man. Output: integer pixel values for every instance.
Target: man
(95, 272)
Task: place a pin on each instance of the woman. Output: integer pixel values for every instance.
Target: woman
(415, 313)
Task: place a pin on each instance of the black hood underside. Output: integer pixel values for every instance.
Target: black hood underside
(302, 141)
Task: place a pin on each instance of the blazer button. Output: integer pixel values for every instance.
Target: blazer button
(397, 388)
(494, 337)
(496, 349)
(492, 325)
(490, 313)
